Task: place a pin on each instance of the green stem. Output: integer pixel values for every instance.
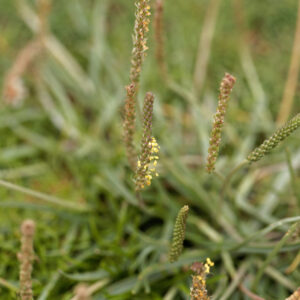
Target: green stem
(8, 285)
(273, 253)
(294, 265)
(44, 197)
(264, 232)
(230, 175)
(219, 175)
(237, 276)
(293, 176)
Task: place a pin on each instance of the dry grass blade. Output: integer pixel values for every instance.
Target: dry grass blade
(204, 47)
(294, 265)
(292, 79)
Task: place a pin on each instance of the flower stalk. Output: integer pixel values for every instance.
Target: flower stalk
(146, 166)
(14, 90)
(227, 84)
(178, 234)
(141, 27)
(26, 257)
(198, 289)
(295, 295)
(129, 125)
(279, 135)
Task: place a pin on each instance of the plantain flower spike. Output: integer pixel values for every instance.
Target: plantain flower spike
(227, 84)
(198, 290)
(295, 295)
(26, 257)
(129, 125)
(82, 292)
(146, 165)
(14, 90)
(178, 234)
(278, 136)
(141, 27)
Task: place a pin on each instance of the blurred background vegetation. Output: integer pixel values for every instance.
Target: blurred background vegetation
(65, 141)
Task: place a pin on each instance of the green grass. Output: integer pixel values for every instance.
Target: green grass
(73, 178)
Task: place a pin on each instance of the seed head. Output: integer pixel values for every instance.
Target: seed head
(178, 234)
(129, 125)
(82, 292)
(198, 290)
(146, 166)
(141, 27)
(227, 84)
(14, 91)
(295, 295)
(272, 142)
(26, 257)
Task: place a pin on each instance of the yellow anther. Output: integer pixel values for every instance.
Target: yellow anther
(209, 262)
(207, 269)
(148, 169)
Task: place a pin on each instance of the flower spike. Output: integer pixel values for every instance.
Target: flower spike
(227, 84)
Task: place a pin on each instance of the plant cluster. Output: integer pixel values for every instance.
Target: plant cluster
(119, 242)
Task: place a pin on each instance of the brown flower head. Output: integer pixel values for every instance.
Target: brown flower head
(227, 84)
